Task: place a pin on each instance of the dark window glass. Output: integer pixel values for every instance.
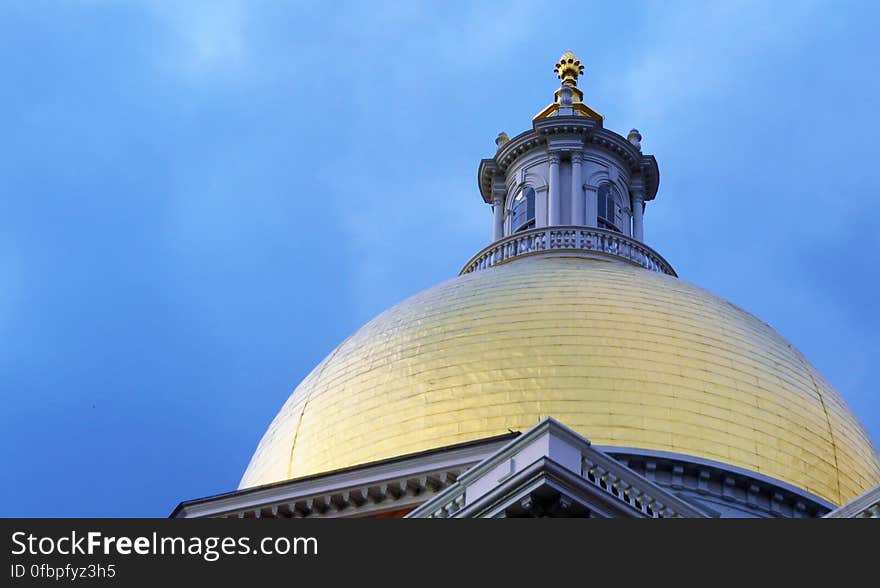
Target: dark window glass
(523, 210)
(607, 206)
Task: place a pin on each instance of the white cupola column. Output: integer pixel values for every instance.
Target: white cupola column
(554, 212)
(578, 213)
(637, 194)
(592, 206)
(497, 217)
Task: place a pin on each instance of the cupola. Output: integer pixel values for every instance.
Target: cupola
(569, 184)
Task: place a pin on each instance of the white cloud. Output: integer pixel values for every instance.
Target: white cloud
(485, 32)
(695, 53)
(404, 231)
(210, 37)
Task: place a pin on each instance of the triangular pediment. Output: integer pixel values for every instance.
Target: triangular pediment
(864, 506)
(552, 471)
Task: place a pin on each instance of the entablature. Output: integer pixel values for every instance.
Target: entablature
(569, 134)
(389, 486)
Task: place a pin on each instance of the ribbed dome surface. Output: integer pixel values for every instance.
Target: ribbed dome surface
(625, 356)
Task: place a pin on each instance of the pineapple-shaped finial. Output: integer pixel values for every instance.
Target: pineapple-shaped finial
(569, 68)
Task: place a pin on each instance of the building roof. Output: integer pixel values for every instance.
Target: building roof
(374, 489)
(629, 357)
(864, 506)
(552, 471)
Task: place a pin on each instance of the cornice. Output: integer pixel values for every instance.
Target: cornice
(554, 450)
(863, 506)
(389, 485)
(485, 171)
(586, 132)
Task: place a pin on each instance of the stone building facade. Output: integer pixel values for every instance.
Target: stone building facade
(567, 371)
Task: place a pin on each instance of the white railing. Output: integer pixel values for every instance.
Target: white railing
(603, 472)
(559, 239)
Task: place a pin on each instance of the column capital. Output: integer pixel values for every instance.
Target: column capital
(577, 157)
(499, 189)
(554, 157)
(637, 192)
(637, 184)
(637, 196)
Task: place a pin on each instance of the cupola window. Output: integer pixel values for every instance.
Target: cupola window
(608, 207)
(523, 210)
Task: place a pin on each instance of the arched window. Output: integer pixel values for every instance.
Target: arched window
(608, 207)
(523, 210)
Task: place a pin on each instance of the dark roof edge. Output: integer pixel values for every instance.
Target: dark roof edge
(408, 456)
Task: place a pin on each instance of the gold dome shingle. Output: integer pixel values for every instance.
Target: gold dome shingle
(625, 356)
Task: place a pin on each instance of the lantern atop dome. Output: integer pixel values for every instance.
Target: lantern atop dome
(569, 185)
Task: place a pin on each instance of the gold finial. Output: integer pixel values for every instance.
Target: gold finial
(568, 98)
(569, 68)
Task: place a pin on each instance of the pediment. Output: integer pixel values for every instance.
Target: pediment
(552, 471)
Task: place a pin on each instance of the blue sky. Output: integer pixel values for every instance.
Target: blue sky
(198, 201)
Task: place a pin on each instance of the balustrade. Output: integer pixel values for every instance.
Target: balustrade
(586, 239)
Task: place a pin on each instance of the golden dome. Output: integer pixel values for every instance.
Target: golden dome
(625, 356)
